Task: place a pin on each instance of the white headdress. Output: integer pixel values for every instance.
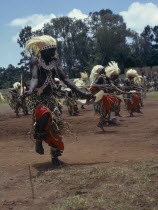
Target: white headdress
(132, 72)
(138, 79)
(112, 68)
(79, 83)
(56, 79)
(38, 43)
(1, 97)
(84, 75)
(94, 73)
(16, 85)
(67, 89)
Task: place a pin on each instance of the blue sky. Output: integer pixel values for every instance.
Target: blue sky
(15, 14)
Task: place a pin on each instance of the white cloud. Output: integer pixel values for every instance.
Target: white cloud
(37, 21)
(139, 15)
(76, 13)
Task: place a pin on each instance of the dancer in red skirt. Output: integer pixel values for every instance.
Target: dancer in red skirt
(105, 103)
(42, 94)
(132, 99)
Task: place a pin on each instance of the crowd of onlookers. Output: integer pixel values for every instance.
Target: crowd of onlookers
(152, 85)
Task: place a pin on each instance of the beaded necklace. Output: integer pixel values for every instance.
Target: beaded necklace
(48, 67)
(49, 80)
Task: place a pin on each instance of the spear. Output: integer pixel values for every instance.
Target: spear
(22, 81)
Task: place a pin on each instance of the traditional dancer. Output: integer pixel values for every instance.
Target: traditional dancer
(82, 83)
(47, 117)
(1, 98)
(16, 101)
(105, 103)
(71, 102)
(132, 100)
(112, 72)
(140, 81)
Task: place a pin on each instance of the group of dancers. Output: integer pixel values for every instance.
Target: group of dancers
(50, 88)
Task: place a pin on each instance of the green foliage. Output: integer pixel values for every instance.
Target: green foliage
(98, 39)
(11, 75)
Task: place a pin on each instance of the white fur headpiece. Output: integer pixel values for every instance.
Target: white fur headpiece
(1, 97)
(132, 72)
(56, 79)
(67, 89)
(39, 43)
(112, 68)
(16, 85)
(94, 73)
(84, 75)
(138, 79)
(79, 83)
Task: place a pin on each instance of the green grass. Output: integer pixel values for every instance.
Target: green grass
(152, 94)
(126, 187)
(4, 104)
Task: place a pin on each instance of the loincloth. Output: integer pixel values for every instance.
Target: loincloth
(53, 137)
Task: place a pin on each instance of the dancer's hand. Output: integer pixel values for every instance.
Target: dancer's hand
(90, 97)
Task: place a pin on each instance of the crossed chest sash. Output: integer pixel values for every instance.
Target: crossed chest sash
(49, 80)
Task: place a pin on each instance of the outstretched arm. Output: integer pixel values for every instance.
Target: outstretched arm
(70, 84)
(117, 89)
(34, 79)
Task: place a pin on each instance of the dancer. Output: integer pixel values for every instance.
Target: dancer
(44, 68)
(132, 100)
(16, 101)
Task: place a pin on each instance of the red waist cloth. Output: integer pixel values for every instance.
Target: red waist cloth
(52, 138)
(135, 102)
(108, 100)
(93, 89)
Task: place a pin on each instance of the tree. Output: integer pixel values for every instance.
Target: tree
(110, 37)
(74, 44)
(98, 39)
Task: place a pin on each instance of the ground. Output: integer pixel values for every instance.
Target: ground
(116, 169)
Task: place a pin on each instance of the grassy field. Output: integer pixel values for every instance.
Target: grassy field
(4, 104)
(127, 187)
(152, 94)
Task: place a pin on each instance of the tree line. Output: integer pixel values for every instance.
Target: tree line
(100, 38)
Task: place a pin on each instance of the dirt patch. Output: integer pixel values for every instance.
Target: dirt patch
(134, 140)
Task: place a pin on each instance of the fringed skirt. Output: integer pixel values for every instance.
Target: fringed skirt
(48, 101)
(41, 104)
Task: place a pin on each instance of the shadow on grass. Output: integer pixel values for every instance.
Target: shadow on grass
(46, 166)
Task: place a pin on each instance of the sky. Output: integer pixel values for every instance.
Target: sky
(16, 14)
